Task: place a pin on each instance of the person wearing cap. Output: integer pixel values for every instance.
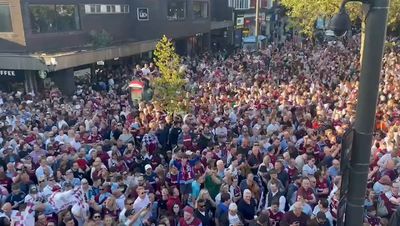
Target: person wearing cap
(150, 176)
(232, 216)
(188, 218)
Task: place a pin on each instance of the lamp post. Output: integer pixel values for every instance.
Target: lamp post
(257, 21)
(375, 19)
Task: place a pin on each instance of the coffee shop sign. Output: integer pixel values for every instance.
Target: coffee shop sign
(7, 73)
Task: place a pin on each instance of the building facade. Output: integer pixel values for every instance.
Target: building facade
(244, 17)
(55, 38)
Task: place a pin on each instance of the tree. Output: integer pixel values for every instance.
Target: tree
(169, 86)
(305, 13)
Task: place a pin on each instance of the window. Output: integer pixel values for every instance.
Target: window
(124, 8)
(176, 9)
(5, 19)
(106, 9)
(111, 9)
(54, 18)
(200, 9)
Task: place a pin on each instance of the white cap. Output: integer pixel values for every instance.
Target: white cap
(233, 206)
(147, 167)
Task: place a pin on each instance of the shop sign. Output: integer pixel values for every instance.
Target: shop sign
(7, 73)
(143, 14)
(239, 22)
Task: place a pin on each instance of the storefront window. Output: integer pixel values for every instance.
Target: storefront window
(176, 9)
(54, 18)
(200, 9)
(5, 19)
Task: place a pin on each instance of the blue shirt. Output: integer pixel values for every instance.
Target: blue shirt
(195, 189)
(333, 172)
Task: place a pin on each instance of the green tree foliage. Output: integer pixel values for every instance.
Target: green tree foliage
(305, 13)
(169, 86)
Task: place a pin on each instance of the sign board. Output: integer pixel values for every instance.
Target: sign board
(239, 22)
(143, 14)
(7, 73)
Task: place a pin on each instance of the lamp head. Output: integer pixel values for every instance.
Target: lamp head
(340, 23)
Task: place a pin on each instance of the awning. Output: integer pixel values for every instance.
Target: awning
(252, 39)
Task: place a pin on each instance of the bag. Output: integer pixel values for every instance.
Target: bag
(382, 210)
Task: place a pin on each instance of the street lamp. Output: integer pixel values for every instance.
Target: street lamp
(375, 20)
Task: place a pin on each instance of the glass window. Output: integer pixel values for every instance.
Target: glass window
(54, 18)
(111, 9)
(98, 9)
(125, 8)
(200, 9)
(67, 18)
(176, 9)
(5, 19)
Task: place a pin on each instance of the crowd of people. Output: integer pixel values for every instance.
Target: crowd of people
(260, 144)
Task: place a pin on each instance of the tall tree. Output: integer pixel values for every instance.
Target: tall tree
(305, 13)
(169, 86)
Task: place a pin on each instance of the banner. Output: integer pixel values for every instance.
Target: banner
(62, 200)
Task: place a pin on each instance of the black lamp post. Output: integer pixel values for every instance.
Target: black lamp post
(375, 19)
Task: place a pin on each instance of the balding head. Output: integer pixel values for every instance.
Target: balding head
(6, 207)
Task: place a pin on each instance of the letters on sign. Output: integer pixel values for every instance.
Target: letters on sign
(7, 73)
(143, 14)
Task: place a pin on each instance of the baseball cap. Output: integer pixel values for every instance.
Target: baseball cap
(232, 206)
(68, 171)
(147, 167)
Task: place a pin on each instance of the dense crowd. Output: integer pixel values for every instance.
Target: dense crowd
(259, 144)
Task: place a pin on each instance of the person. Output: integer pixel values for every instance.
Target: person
(188, 218)
(142, 202)
(261, 220)
(232, 217)
(295, 217)
(319, 220)
(203, 213)
(222, 207)
(323, 207)
(274, 214)
(274, 194)
(127, 208)
(247, 206)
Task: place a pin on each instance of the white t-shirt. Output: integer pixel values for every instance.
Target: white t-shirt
(234, 220)
(140, 204)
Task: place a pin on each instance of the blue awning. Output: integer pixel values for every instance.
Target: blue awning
(252, 39)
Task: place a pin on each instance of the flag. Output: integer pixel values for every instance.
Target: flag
(62, 200)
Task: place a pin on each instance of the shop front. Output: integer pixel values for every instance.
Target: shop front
(18, 80)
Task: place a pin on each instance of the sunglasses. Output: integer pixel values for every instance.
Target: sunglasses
(96, 216)
(41, 181)
(131, 203)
